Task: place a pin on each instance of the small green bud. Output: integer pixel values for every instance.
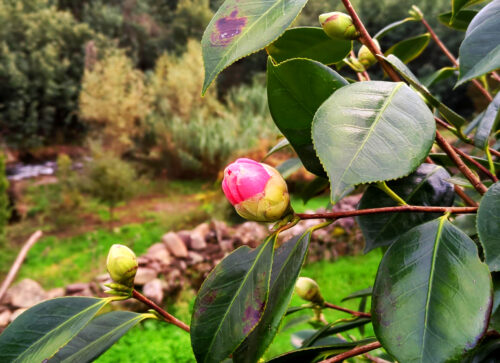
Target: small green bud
(308, 290)
(122, 265)
(366, 57)
(338, 25)
(415, 13)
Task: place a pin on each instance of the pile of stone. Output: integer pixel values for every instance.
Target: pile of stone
(185, 258)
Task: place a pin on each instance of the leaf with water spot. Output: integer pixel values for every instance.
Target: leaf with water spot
(242, 27)
(371, 131)
(231, 302)
(432, 295)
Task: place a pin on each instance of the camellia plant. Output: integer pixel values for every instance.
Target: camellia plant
(431, 202)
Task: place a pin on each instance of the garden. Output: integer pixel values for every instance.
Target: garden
(249, 181)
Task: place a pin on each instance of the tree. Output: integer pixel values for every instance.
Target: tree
(4, 199)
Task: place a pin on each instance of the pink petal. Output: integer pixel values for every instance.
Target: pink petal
(243, 179)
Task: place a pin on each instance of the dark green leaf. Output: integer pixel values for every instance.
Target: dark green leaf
(488, 123)
(334, 328)
(288, 260)
(487, 352)
(240, 28)
(461, 21)
(38, 333)
(448, 114)
(488, 226)
(296, 321)
(283, 143)
(294, 309)
(443, 159)
(466, 223)
(289, 167)
(495, 311)
(231, 302)
(426, 186)
(311, 43)
(439, 75)
(313, 188)
(432, 295)
(358, 294)
(299, 338)
(98, 336)
(385, 30)
(312, 353)
(480, 51)
(409, 49)
(458, 5)
(364, 134)
(295, 90)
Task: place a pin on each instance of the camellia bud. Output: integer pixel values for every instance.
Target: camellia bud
(257, 191)
(366, 57)
(308, 290)
(338, 25)
(122, 265)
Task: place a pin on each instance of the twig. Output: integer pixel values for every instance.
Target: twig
(169, 318)
(476, 164)
(353, 352)
(349, 311)
(396, 209)
(18, 262)
(452, 58)
(448, 149)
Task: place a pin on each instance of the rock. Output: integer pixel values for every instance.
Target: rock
(5, 318)
(79, 289)
(56, 292)
(251, 233)
(153, 290)
(144, 275)
(221, 230)
(26, 294)
(158, 252)
(195, 258)
(226, 245)
(143, 260)
(175, 245)
(16, 313)
(185, 236)
(198, 242)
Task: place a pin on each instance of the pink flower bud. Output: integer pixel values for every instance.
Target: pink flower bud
(257, 191)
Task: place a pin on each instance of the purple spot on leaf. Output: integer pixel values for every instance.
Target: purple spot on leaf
(227, 28)
(252, 317)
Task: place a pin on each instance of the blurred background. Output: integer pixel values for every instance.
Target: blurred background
(104, 139)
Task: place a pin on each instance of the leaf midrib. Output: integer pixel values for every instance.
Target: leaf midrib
(237, 294)
(30, 348)
(431, 279)
(374, 124)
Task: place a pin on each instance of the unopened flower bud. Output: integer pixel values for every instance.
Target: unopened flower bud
(338, 25)
(257, 191)
(366, 57)
(308, 290)
(122, 265)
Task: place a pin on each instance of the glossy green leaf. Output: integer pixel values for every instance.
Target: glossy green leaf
(385, 30)
(480, 51)
(299, 338)
(293, 322)
(288, 167)
(364, 134)
(38, 333)
(98, 336)
(439, 75)
(231, 302)
(359, 294)
(466, 223)
(427, 186)
(311, 43)
(334, 328)
(242, 27)
(316, 353)
(461, 20)
(294, 309)
(432, 295)
(488, 123)
(448, 114)
(458, 5)
(409, 49)
(488, 226)
(295, 90)
(288, 260)
(283, 143)
(314, 188)
(443, 159)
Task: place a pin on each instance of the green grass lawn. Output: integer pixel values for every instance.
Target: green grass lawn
(157, 342)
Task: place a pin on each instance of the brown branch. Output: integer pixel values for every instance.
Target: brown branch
(395, 209)
(349, 311)
(452, 58)
(448, 149)
(353, 352)
(367, 40)
(18, 262)
(169, 318)
(476, 164)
